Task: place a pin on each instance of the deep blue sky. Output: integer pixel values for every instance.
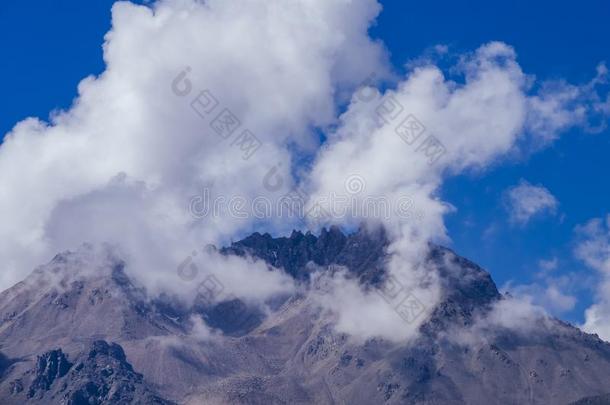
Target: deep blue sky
(49, 46)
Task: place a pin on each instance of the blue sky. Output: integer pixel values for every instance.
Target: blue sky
(47, 49)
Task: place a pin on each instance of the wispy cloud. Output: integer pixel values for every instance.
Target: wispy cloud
(526, 201)
(593, 248)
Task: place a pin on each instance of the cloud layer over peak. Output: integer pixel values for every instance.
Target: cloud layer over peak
(172, 69)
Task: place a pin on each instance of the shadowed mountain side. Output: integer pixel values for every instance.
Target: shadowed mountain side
(596, 400)
(99, 375)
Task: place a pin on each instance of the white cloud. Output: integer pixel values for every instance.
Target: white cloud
(554, 292)
(593, 249)
(549, 294)
(559, 106)
(526, 201)
(548, 264)
(367, 314)
(517, 314)
(278, 66)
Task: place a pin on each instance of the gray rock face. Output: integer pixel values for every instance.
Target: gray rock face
(361, 252)
(100, 375)
(49, 367)
(55, 328)
(596, 400)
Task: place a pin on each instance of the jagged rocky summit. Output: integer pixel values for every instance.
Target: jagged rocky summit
(101, 340)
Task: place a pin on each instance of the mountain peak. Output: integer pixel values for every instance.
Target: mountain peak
(98, 337)
(363, 253)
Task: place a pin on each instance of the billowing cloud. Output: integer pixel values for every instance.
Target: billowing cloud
(159, 124)
(526, 201)
(364, 314)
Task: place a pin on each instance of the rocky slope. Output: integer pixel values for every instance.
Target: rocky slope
(100, 375)
(78, 330)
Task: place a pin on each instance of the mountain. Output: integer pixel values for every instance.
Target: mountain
(596, 400)
(99, 375)
(78, 330)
